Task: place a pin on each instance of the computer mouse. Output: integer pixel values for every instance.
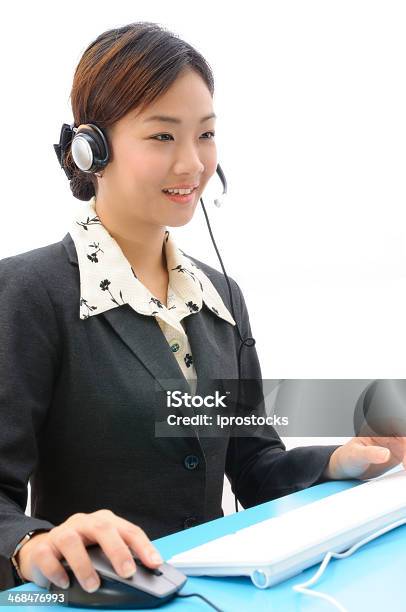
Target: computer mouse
(147, 588)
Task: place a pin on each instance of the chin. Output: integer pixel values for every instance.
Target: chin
(177, 222)
(181, 217)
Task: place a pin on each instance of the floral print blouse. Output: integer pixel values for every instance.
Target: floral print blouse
(107, 281)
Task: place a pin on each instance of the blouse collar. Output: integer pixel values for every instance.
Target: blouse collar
(107, 279)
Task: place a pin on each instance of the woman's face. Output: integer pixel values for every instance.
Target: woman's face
(149, 155)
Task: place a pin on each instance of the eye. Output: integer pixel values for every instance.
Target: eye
(157, 137)
(159, 140)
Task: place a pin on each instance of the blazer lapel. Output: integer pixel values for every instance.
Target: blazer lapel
(200, 330)
(144, 337)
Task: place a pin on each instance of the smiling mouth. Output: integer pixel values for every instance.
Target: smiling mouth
(178, 194)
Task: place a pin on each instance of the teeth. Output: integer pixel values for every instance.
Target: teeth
(180, 191)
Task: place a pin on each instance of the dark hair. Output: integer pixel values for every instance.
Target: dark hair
(122, 69)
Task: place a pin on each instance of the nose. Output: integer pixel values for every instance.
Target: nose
(188, 162)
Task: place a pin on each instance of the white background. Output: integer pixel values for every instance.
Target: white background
(311, 133)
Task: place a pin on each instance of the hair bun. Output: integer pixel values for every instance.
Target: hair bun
(82, 186)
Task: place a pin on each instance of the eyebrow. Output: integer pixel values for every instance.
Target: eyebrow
(165, 118)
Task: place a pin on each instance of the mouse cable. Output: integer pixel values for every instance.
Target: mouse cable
(248, 341)
(302, 588)
(201, 597)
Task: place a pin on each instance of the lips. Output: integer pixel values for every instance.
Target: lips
(177, 197)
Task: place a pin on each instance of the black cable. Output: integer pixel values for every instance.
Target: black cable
(249, 341)
(201, 597)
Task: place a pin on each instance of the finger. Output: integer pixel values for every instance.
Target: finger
(372, 454)
(105, 532)
(139, 542)
(397, 445)
(70, 544)
(46, 567)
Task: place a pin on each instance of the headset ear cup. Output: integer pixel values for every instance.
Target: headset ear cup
(90, 150)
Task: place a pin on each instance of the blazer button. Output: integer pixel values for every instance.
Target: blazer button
(190, 521)
(191, 462)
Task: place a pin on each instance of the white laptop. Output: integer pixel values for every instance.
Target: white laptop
(281, 547)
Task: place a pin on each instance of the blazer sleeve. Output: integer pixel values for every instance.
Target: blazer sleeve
(29, 358)
(258, 466)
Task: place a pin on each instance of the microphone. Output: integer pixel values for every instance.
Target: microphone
(220, 200)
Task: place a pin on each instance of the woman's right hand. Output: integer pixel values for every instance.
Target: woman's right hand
(40, 556)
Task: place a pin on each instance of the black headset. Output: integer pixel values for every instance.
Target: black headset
(90, 152)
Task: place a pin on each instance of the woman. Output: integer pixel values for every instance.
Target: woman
(95, 329)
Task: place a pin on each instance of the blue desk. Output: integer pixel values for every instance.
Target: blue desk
(372, 579)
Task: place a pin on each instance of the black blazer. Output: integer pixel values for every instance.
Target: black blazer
(79, 401)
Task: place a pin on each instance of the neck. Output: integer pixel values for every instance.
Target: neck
(142, 244)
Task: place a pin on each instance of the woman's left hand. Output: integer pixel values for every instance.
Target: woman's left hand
(366, 457)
